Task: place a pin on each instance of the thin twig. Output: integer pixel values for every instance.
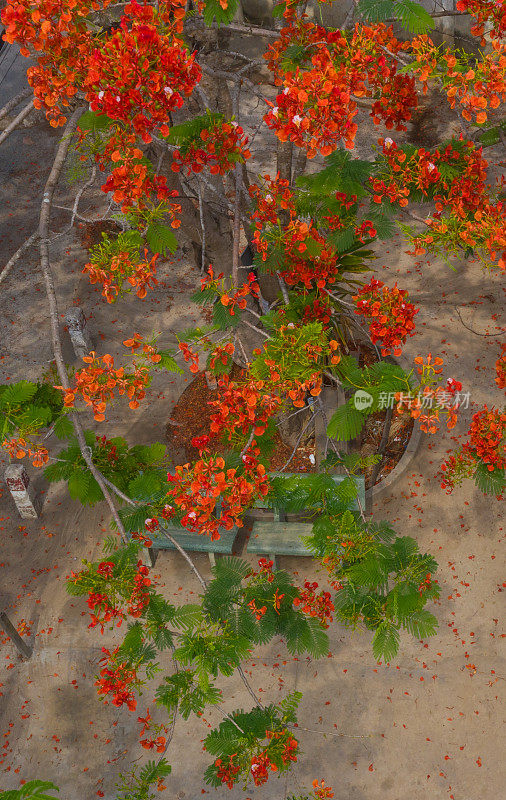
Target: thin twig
(304, 429)
(15, 101)
(17, 255)
(16, 121)
(83, 188)
(477, 333)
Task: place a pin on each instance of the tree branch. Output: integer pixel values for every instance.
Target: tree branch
(17, 121)
(7, 108)
(17, 255)
(53, 304)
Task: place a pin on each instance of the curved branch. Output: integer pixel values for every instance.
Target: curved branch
(53, 304)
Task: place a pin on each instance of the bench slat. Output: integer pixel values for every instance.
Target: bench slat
(195, 542)
(281, 538)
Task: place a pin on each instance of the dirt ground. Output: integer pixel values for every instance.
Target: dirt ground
(425, 727)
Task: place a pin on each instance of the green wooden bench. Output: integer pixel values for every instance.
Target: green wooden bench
(194, 542)
(283, 538)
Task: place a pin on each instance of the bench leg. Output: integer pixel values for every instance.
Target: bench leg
(148, 556)
(212, 559)
(272, 557)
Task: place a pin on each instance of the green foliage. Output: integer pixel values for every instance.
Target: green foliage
(26, 407)
(412, 16)
(161, 239)
(214, 12)
(93, 122)
(32, 790)
(385, 580)
(378, 380)
(182, 692)
(137, 784)
(133, 470)
(244, 733)
(490, 482)
(291, 349)
(492, 135)
(184, 134)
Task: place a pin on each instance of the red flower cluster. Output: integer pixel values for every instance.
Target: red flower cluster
(103, 611)
(390, 314)
(207, 488)
(317, 310)
(239, 297)
(19, 448)
(117, 678)
(190, 356)
(487, 438)
(491, 11)
(123, 268)
(316, 108)
(139, 598)
(220, 147)
(242, 406)
(456, 468)
(139, 76)
(97, 383)
(221, 353)
(227, 773)
(316, 605)
(260, 766)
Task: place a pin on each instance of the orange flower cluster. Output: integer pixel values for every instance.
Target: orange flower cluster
(123, 269)
(485, 235)
(213, 497)
(238, 299)
(437, 399)
(98, 382)
(241, 407)
(19, 448)
(138, 75)
(220, 146)
(136, 341)
(491, 11)
(189, 356)
(321, 269)
(487, 438)
(65, 41)
(316, 108)
(322, 792)
(476, 89)
(132, 185)
(316, 605)
(221, 353)
(391, 315)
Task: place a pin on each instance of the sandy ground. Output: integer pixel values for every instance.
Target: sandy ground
(427, 726)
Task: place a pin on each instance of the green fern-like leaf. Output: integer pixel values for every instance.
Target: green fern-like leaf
(346, 423)
(161, 239)
(385, 643)
(490, 482)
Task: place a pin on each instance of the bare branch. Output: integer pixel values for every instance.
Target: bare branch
(53, 305)
(17, 121)
(7, 108)
(17, 255)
